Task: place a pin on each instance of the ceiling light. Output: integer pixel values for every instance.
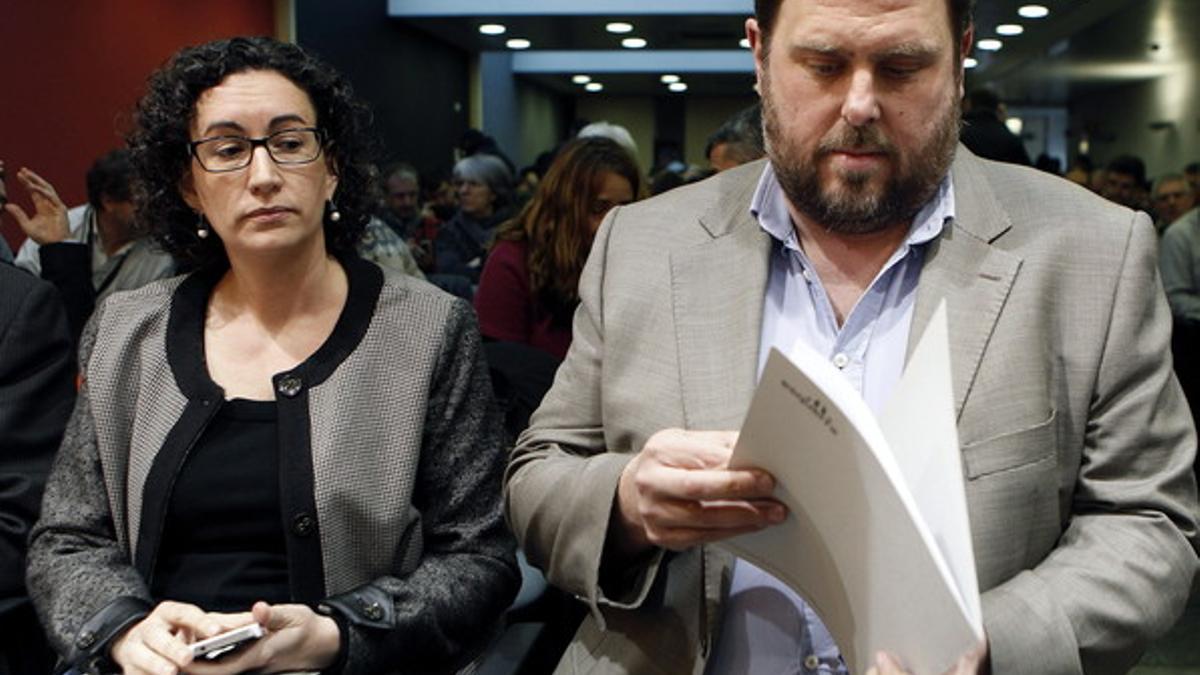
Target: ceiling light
(619, 27)
(744, 43)
(990, 45)
(677, 86)
(581, 79)
(1009, 29)
(518, 43)
(492, 29)
(970, 62)
(1033, 11)
(669, 79)
(633, 43)
(594, 86)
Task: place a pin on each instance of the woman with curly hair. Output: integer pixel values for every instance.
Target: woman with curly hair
(529, 287)
(285, 437)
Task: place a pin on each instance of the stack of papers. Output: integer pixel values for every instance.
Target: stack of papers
(877, 541)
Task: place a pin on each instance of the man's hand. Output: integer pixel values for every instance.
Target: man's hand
(159, 643)
(296, 638)
(679, 492)
(48, 224)
(974, 662)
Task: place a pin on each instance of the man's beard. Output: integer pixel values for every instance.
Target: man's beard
(850, 206)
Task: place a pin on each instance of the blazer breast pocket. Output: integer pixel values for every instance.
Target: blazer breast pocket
(1012, 497)
(1011, 449)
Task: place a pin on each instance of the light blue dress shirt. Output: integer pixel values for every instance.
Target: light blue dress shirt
(767, 629)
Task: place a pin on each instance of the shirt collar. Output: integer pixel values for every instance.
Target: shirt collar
(769, 207)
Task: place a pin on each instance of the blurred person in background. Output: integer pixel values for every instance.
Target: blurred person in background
(92, 250)
(737, 141)
(37, 390)
(1125, 182)
(485, 194)
(1173, 197)
(985, 133)
(529, 287)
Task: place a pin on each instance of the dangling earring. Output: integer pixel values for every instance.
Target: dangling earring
(334, 214)
(201, 227)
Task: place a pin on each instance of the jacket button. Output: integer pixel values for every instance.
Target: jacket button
(303, 525)
(372, 610)
(289, 385)
(86, 640)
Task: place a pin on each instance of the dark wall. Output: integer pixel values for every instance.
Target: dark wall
(416, 84)
(72, 72)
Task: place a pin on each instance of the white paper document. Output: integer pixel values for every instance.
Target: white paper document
(877, 539)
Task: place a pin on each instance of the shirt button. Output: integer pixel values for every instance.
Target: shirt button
(289, 385)
(303, 525)
(806, 274)
(811, 662)
(840, 360)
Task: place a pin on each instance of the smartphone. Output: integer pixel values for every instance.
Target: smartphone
(219, 645)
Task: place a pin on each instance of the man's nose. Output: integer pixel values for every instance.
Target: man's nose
(861, 106)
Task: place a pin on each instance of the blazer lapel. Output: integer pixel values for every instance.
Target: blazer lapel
(973, 276)
(717, 301)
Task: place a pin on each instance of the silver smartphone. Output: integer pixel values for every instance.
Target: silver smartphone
(219, 645)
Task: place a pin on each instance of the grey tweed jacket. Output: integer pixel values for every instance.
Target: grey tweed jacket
(390, 455)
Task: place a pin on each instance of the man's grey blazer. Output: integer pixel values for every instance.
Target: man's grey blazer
(1076, 440)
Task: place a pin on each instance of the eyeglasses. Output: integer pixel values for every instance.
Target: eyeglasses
(219, 154)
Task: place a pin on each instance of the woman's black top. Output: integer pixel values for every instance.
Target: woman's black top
(223, 544)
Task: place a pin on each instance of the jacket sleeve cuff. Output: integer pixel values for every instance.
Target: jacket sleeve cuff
(90, 649)
(1027, 634)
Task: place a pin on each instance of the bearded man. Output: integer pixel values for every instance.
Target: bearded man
(1076, 441)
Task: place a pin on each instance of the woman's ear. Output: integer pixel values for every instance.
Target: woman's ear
(187, 190)
(331, 176)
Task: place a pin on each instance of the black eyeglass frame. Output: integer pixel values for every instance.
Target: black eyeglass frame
(257, 142)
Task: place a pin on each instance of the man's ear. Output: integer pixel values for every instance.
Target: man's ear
(757, 48)
(964, 51)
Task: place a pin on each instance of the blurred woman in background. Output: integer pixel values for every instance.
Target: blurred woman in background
(485, 195)
(529, 287)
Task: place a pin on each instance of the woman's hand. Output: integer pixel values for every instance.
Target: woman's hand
(296, 638)
(159, 643)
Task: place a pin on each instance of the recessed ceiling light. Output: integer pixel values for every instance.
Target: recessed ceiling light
(677, 86)
(668, 79)
(970, 62)
(1009, 29)
(518, 43)
(594, 86)
(581, 79)
(633, 43)
(492, 29)
(619, 27)
(744, 43)
(1033, 11)
(990, 45)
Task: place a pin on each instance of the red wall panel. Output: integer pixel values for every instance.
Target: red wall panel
(72, 70)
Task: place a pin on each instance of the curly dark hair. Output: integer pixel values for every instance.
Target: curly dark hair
(159, 142)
